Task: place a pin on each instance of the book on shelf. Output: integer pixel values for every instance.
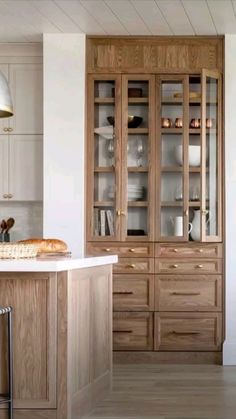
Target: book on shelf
(96, 222)
(102, 222)
(110, 222)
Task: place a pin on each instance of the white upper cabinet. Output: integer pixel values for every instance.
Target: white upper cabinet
(3, 167)
(26, 84)
(26, 168)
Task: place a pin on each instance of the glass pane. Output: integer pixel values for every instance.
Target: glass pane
(137, 147)
(172, 185)
(211, 156)
(104, 159)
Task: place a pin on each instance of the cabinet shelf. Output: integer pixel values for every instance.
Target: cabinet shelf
(167, 204)
(172, 130)
(174, 169)
(137, 203)
(108, 169)
(138, 169)
(138, 100)
(104, 204)
(104, 100)
(138, 131)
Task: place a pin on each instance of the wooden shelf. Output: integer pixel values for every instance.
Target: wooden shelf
(137, 203)
(138, 169)
(138, 100)
(104, 203)
(173, 169)
(138, 131)
(104, 100)
(172, 130)
(193, 204)
(198, 131)
(108, 169)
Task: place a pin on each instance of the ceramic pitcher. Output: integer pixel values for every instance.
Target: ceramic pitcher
(196, 223)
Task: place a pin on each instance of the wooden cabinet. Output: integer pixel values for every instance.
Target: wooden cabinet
(133, 331)
(154, 194)
(21, 141)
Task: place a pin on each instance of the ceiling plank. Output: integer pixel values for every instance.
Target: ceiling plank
(75, 10)
(176, 17)
(55, 15)
(199, 17)
(105, 17)
(222, 12)
(128, 16)
(152, 17)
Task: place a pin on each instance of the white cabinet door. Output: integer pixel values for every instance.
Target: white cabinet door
(4, 143)
(26, 83)
(4, 122)
(26, 167)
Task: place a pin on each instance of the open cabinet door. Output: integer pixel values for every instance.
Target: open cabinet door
(211, 157)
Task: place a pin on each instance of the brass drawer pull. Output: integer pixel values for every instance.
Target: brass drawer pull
(10, 195)
(5, 129)
(175, 250)
(185, 333)
(122, 292)
(10, 129)
(5, 195)
(174, 266)
(122, 331)
(132, 250)
(130, 265)
(199, 266)
(185, 293)
(107, 249)
(200, 250)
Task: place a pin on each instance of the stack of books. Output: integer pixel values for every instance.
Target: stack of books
(103, 222)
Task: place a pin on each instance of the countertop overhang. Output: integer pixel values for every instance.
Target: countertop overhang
(54, 264)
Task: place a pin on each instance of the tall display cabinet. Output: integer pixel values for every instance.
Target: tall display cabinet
(155, 195)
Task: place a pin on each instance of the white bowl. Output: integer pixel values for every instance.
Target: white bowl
(194, 155)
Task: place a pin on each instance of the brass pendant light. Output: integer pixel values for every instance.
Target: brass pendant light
(6, 106)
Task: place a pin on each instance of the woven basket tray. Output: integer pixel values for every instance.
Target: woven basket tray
(17, 251)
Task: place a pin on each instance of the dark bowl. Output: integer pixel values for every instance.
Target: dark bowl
(133, 121)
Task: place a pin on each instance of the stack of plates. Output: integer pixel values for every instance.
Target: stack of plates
(135, 192)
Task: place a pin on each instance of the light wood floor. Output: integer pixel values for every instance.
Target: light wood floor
(170, 392)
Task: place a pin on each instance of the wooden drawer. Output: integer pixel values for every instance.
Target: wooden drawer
(188, 332)
(121, 249)
(188, 293)
(132, 265)
(133, 331)
(213, 250)
(188, 266)
(133, 292)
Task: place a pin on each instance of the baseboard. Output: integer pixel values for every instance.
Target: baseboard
(132, 357)
(229, 353)
(30, 414)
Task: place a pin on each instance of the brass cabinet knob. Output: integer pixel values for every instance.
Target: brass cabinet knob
(5, 195)
(10, 195)
(5, 129)
(174, 266)
(107, 249)
(122, 213)
(199, 266)
(10, 129)
(200, 250)
(132, 250)
(175, 250)
(131, 265)
(118, 212)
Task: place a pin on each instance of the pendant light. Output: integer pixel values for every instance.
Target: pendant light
(6, 106)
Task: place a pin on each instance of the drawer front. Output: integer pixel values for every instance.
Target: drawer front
(188, 332)
(125, 250)
(188, 293)
(214, 250)
(132, 265)
(194, 266)
(133, 331)
(133, 292)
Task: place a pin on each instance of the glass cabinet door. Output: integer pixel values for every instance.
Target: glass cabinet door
(103, 154)
(138, 156)
(211, 156)
(172, 164)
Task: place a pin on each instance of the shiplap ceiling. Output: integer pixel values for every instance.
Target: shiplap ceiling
(27, 20)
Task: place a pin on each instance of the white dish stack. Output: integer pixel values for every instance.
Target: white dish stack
(135, 193)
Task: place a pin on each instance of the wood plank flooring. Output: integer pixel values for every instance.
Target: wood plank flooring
(170, 392)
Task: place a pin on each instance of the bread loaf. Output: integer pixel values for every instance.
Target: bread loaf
(47, 245)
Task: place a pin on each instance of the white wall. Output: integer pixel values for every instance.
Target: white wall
(229, 351)
(64, 127)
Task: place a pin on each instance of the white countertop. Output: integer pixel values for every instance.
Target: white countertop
(54, 264)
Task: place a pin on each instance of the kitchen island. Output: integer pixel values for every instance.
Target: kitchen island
(62, 334)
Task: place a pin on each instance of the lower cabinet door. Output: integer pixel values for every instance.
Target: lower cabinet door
(132, 331)
(187, 331)
(133, 292)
